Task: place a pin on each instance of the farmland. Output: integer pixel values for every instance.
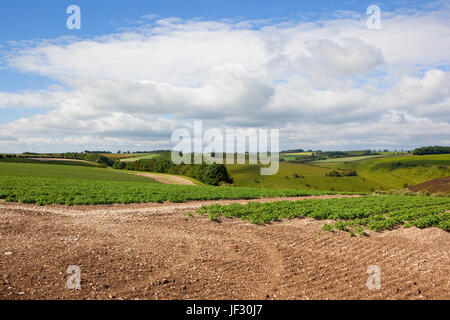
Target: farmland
(135, 238)
(395, 172)
(375, 213)
(140, 157)
(345, 159)
(374, 173)
(43, 183)
(161, 251)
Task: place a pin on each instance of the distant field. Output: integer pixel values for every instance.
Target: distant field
(297, 154)
(117, 156)
(43, 183)
(142, 157)
(67, 162)
(297, 176)
(374, 173)
(346, 159)
(395, 172)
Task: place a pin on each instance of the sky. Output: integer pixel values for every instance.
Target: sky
(137, 70)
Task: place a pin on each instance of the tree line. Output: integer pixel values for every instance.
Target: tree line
(431, 150)
(213, 174)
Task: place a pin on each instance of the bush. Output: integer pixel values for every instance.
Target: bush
(343, 173)
(216, 173)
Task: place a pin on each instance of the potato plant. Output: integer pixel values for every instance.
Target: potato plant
(351, 214)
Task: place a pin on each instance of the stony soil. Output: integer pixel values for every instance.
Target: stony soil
(156, 251)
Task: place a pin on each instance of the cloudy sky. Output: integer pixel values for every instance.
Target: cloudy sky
(138, 70)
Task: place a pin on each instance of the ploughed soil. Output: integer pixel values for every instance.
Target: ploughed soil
(166, 178)
(433, 186)
(158, 251)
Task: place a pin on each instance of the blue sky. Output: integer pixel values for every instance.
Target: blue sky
(25, 19)
(46, 19)
(310, 65)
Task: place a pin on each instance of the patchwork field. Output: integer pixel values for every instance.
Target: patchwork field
(135, 244)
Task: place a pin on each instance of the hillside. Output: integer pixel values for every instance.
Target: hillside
(374, 173)
(432, 186)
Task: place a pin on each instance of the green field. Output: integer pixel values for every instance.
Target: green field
(142, 157)
(43, 183)
(374, 173)
(352, 214)
(296, 176)
(346, 159)
(394, 172)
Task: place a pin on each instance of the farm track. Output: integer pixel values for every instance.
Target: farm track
(166, 178)
(155, 251)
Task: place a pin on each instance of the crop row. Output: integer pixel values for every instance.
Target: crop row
(351, 214)
(70, 191)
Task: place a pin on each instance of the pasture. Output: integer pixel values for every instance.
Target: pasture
(374, 173)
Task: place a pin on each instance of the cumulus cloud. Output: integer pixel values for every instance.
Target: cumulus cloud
(330, 82)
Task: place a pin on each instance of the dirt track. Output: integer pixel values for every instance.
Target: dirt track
(166, 178)
(155, 251)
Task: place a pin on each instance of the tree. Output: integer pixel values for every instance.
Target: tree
(216, 173)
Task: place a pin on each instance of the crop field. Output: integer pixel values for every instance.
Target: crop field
(72, 185)
(131, 243)
(297, 154)
(346, 159)
(376, 213)
(140, 157)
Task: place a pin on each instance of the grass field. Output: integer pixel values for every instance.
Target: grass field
(43, 183)
(141, 157)
(66, 162)
(374, 173)
(346, 159)
(297, 154)
(395, 172)
(352, 214)
(297, 176)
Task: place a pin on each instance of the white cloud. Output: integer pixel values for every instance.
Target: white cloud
(322, 79)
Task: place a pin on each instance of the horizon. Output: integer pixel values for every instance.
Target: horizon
(137, 71)
(224, 153)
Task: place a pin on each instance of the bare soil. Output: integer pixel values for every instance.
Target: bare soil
(166, 178)
(157, 251)
(433, 186)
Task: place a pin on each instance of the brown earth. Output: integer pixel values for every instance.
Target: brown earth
(433, 186)
(156, 251)
(166, 178)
